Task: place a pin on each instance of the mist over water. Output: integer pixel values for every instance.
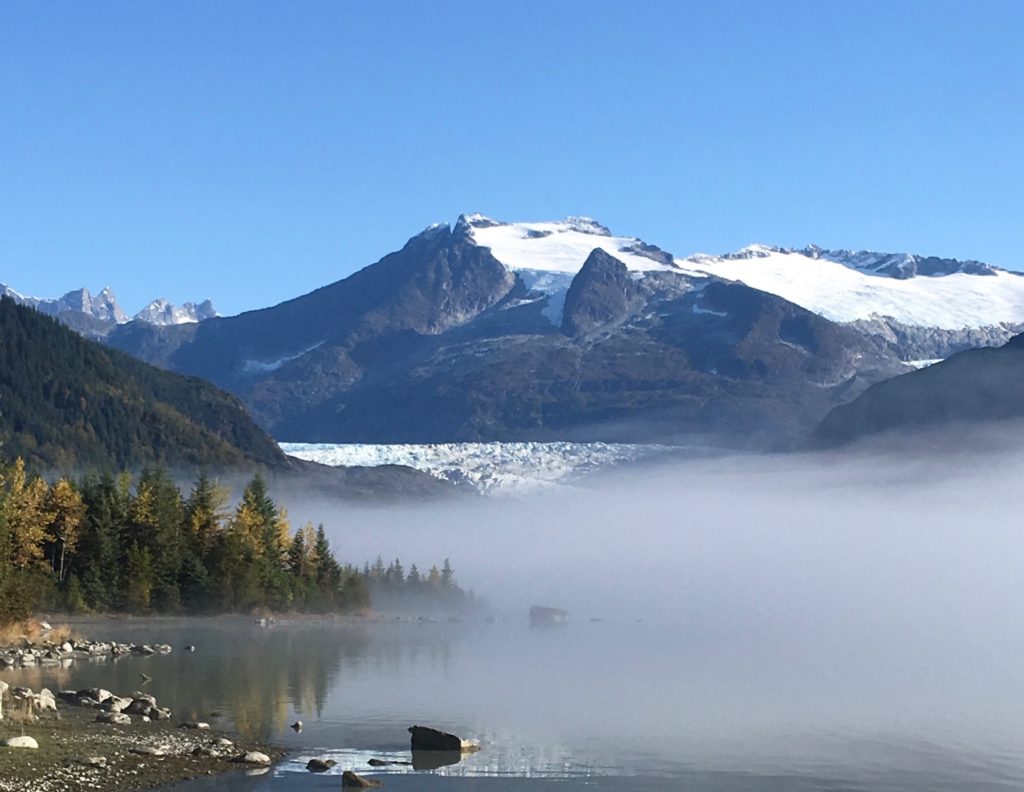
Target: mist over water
(744, 623)
(755, 606)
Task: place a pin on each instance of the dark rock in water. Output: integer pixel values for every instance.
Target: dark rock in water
(353, 781)
(542, 616)
(426, 739)
(320, 765)
(385, 762)
(432, 760)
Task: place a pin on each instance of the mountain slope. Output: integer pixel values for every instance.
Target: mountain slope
(69, 403)
(979, 385)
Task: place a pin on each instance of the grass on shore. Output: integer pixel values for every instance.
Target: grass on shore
(33, 631)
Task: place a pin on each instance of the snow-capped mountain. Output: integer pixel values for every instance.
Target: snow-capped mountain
(102, 307)
(96, 316)
(161, 312)
(847, 287)
(565, 331)
(527, 332)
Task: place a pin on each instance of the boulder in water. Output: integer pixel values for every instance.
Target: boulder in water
(424, 738)
(543, 616)
(350, 780)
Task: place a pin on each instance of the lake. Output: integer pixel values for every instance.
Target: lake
(743, 625)
(595, 704)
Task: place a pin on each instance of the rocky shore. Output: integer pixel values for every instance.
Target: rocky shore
(95, 739)
(63, 653)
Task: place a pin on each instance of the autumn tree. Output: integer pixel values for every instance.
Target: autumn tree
(67, 509)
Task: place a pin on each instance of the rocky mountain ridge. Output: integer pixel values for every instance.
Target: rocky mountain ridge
(95, 316)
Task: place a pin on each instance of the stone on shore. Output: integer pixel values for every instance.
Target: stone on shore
(91, 761)
(23, 741)
(147, 750)
(116, 718)
(252, 757)
(96, 694)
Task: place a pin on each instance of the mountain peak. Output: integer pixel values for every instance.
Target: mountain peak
(756, 250)
(162, 312)
(587, 225)
(95, 316)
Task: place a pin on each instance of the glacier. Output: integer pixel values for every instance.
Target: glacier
(488, 468)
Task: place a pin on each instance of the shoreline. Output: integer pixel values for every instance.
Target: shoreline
(95, 739)
(69, 738)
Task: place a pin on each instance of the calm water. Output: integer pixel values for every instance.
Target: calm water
(611, 704)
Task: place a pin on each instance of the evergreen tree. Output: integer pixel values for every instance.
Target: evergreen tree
(328, 573)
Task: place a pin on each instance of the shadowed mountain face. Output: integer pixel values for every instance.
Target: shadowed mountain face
(440, 341)
(972, 387)
(72, 403)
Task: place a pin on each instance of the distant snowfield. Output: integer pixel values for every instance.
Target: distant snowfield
(837, 290)
(844, 294)
(489, 468)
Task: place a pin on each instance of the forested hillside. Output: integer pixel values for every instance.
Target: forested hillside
(68, 403)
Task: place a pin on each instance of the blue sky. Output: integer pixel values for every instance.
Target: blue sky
(250, 152)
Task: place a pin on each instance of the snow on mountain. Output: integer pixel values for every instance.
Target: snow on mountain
(547, 255)
(844, 292)
(900, 265)
(560, 246)
(843, 286)
(161, 312)
(489, 468)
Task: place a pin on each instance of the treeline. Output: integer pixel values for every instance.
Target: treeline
(111, 543)
(392, 588)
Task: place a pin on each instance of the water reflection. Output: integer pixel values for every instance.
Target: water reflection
(434, 760)
(256, 678)
(591, 701)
